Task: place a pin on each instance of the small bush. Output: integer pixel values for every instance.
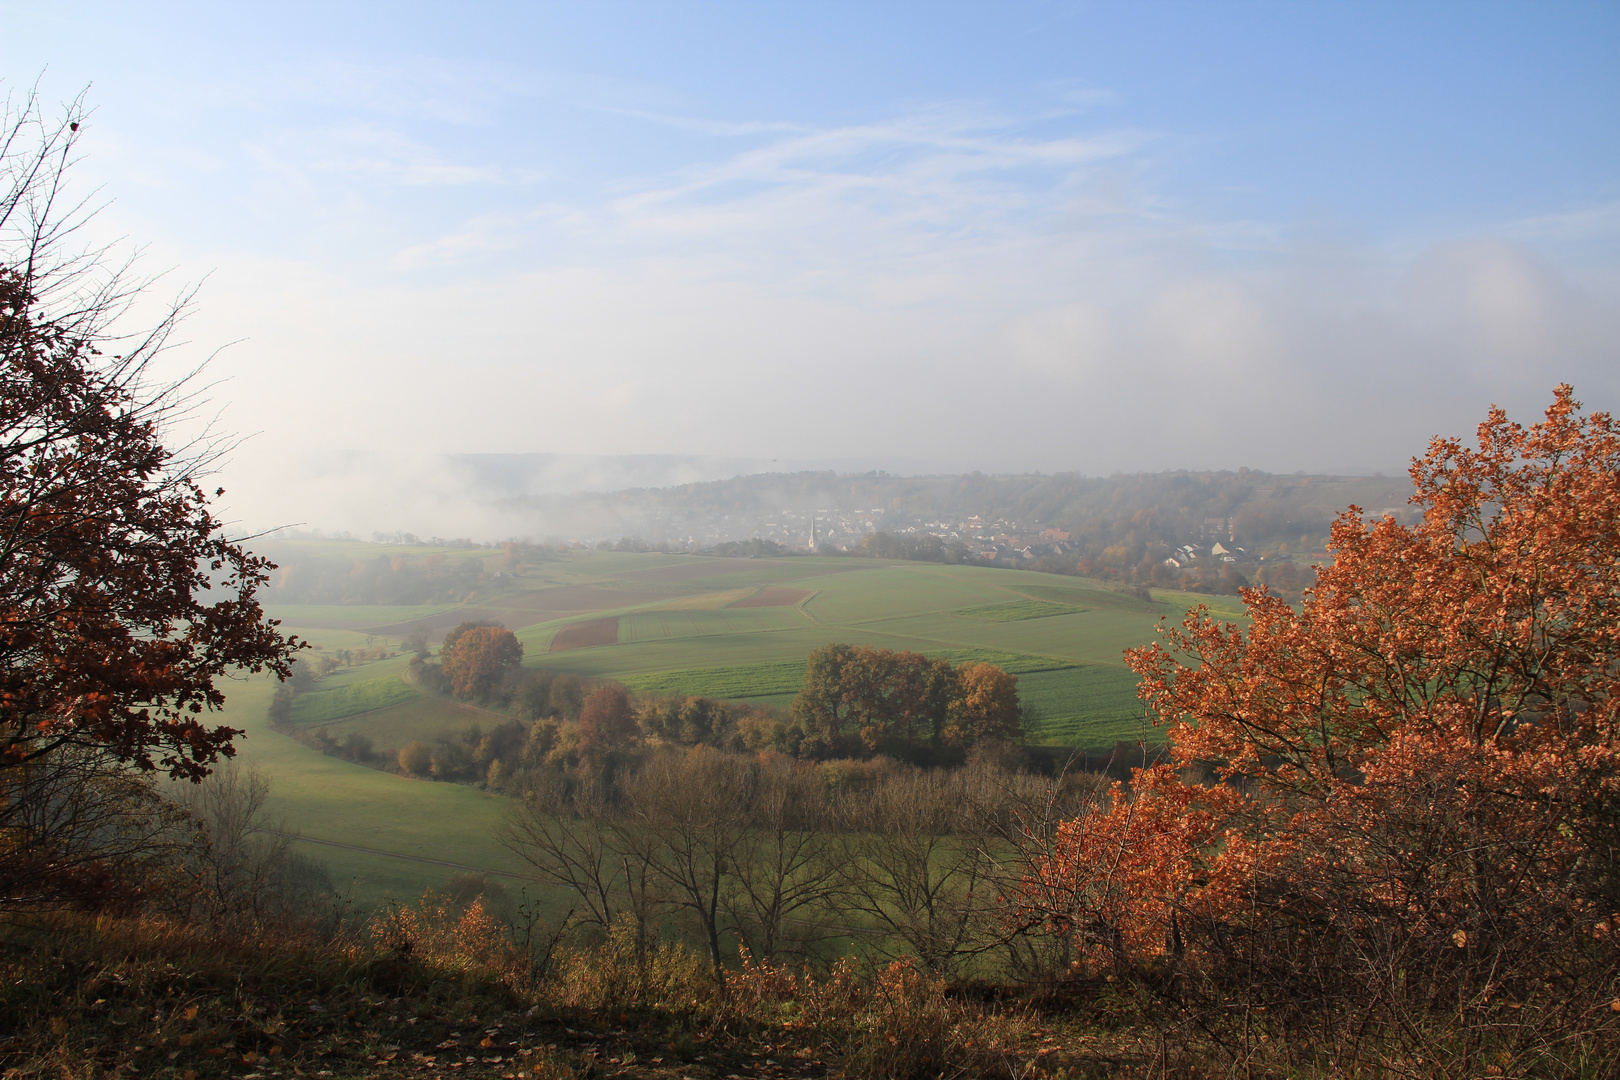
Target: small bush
(625, 972)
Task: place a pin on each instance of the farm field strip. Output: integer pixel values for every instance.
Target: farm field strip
(715, 573)
(769, 679)
(592, 633)
(321, 706)
(887, 593)
(1087, 597)
(653, 625)
(726, 650)
(703, 601)
(1018, 611)
(775, 596)
(423, 719)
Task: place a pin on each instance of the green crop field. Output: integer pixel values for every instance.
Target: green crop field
(423, 719)
(1019, 611)
(654, 625)
(679, 633)
(323, 705)
(743, 682)
(684, 627)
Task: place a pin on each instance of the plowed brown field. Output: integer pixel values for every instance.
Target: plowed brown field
(584, 635)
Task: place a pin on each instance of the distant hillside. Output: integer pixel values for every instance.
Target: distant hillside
(1149, 529)
(1060, 499)
(1117, 527)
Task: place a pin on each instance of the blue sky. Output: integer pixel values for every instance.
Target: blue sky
(1001, 236)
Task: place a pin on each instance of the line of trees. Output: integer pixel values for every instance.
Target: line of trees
(856, 701)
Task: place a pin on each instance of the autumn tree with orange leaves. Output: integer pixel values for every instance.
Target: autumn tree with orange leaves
(1414, 778)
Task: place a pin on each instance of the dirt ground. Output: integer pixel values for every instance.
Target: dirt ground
(584, 635)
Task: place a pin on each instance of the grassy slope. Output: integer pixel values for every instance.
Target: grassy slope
(329, 799)
(420, 718)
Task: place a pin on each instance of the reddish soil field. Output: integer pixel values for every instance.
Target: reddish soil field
(584, 635)
(697, 568)
(774, 596)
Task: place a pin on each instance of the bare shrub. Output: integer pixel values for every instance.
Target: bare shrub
(913, 862)
(240, 865)
(78, 828)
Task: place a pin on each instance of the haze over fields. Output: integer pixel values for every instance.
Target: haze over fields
(919, 237)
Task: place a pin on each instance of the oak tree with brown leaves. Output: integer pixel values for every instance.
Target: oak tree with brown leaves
(476, 660)
(123, 604)
(122, 601)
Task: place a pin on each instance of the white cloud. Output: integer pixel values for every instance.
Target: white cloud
(943, 286)
(371, 151)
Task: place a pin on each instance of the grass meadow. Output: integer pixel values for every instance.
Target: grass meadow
(328, 799)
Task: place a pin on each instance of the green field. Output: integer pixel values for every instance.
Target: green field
(787, 676)
(744, 682)
(328, 799)
(421, 719)
(1019, 611)
(323, 705)
(679, 633)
